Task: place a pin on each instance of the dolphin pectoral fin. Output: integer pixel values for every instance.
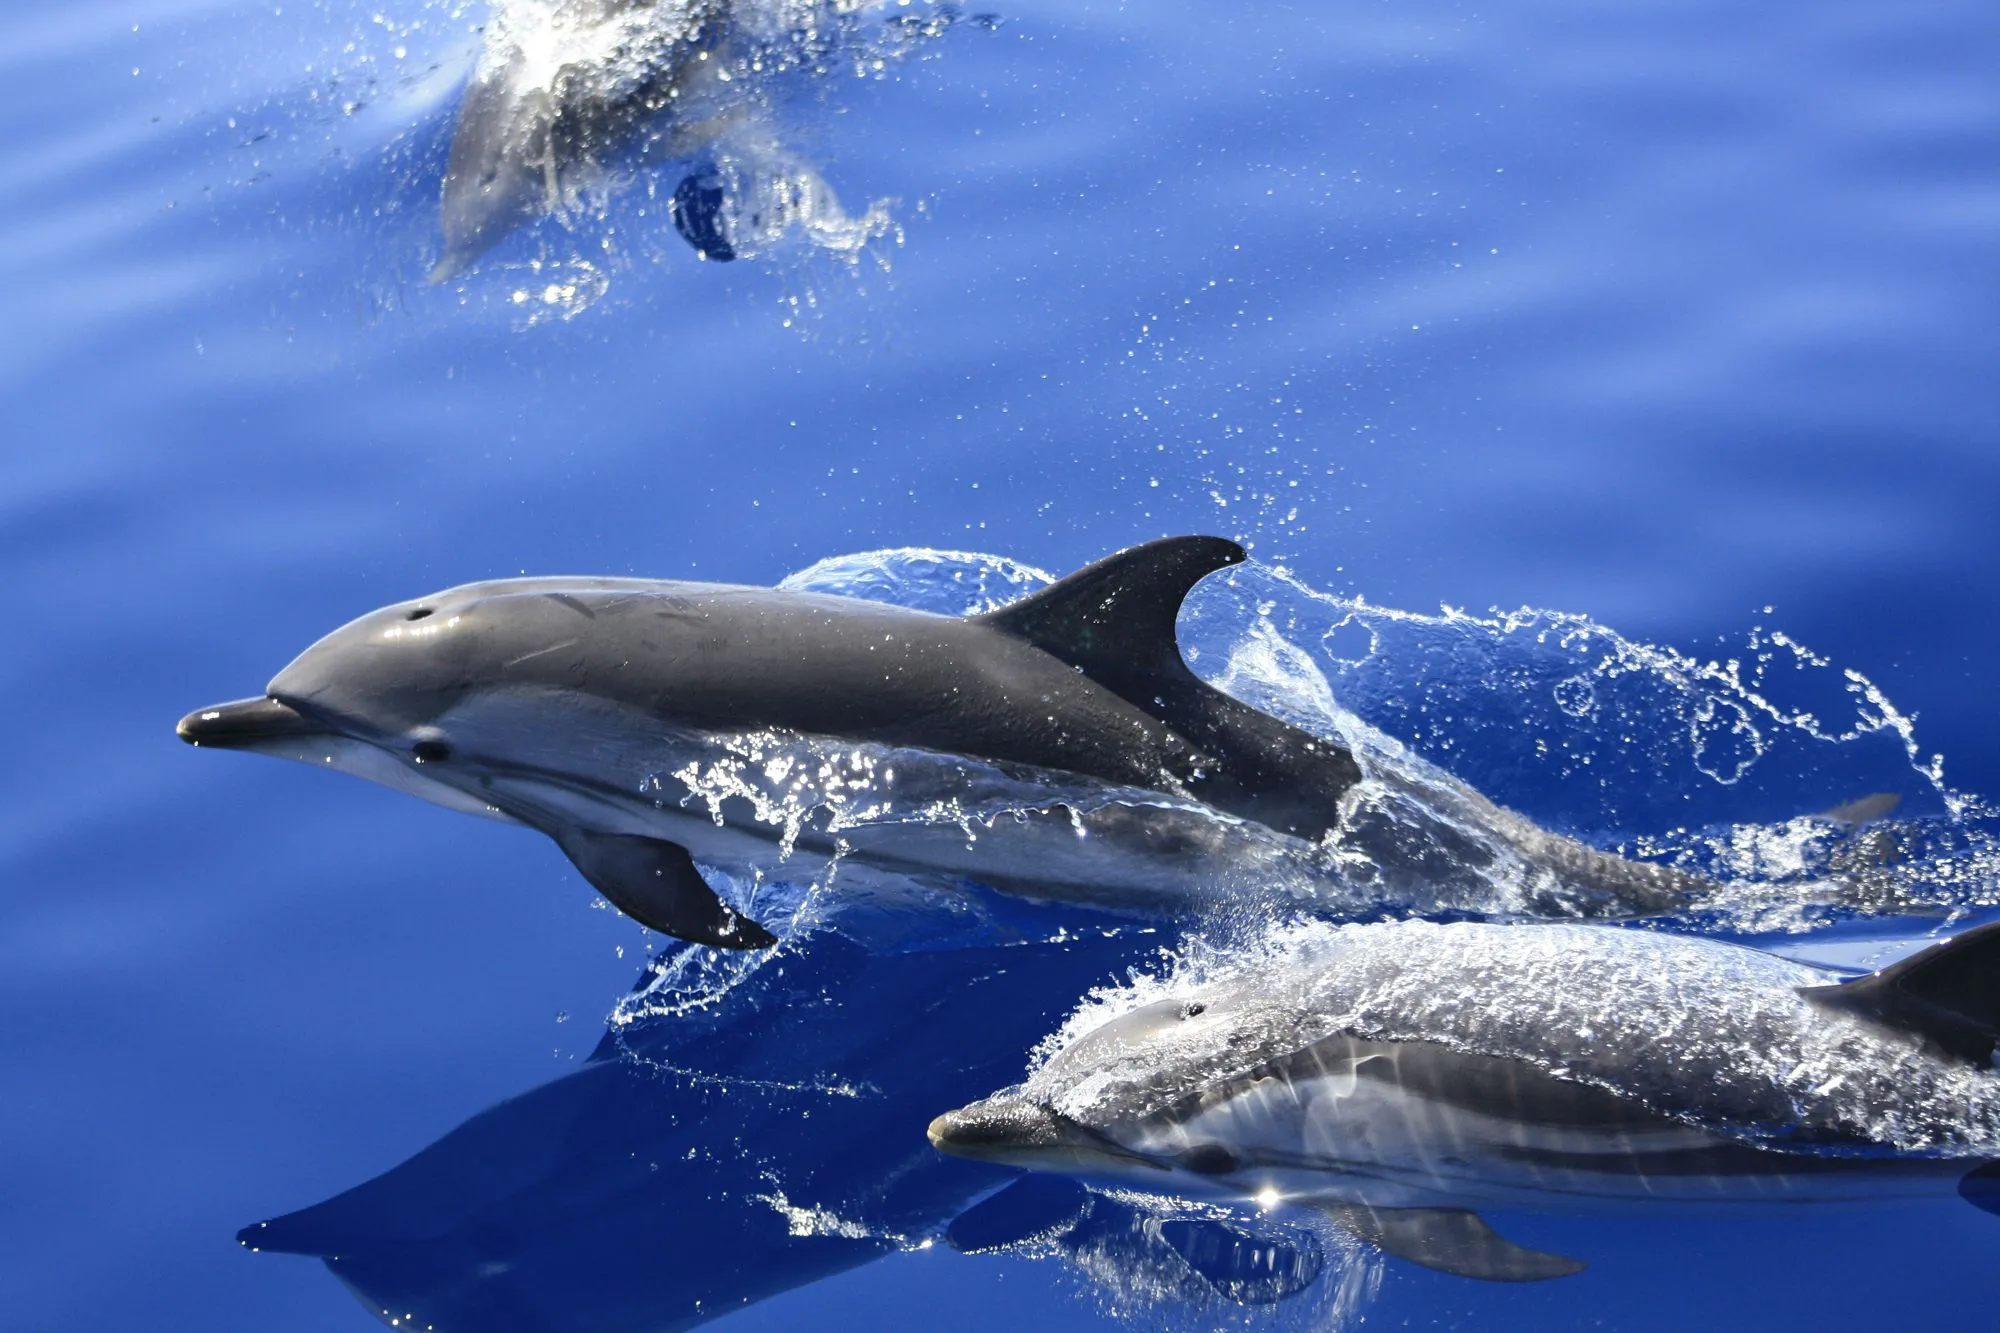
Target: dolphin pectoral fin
(1450, 1240)
(1948, 995)
(656, 884)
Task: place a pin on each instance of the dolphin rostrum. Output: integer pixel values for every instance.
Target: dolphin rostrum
(1057, 747)
(1399, 1076)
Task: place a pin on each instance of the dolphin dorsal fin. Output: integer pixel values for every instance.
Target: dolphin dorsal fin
(1116, 617)
(1114, 621)
(1949, 994)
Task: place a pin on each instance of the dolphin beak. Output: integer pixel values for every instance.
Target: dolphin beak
(1016, 1132)
(996, 1129)
(245, 724)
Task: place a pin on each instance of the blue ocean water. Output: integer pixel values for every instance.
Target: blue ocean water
(1675, 321)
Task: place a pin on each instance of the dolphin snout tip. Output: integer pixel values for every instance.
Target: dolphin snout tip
(996, 1129)
(242, 724)
(206, 726)
(962, 1133)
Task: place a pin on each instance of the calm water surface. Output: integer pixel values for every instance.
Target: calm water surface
(1681, 317)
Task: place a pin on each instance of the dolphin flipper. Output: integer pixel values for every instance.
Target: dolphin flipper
(1450, 1240)
(656, 884)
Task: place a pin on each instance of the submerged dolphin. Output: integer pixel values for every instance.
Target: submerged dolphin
(1400, 1076)
(557, 88)
(565, 87)
(1058, 747)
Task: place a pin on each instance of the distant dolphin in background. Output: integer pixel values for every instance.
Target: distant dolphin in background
(1058, 747)
(1400, 1076)
(555, 91)
(565, 87)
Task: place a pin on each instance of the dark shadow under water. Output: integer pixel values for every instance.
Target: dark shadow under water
(766, 1133)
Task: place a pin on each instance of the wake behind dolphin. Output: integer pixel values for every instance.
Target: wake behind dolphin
(1400, 1076)
(1057, 747)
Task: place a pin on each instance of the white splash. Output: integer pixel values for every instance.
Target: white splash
(809, 1221)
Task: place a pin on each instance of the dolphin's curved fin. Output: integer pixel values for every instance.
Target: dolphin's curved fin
(656, 884)
(1117, 616)
(1949, 994)
(1980, 1187)
(1450, 1240)
(1114, 621)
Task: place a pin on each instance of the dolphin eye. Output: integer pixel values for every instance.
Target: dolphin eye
(430, 752)
(418, 614)
(1194, 1009)
(1208, 1159)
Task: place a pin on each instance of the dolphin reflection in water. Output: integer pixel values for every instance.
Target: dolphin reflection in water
(1398, 1077)
(761, 1140)
(566, 89)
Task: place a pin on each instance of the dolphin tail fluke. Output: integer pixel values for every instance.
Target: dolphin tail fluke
(1450, 1240)
(656, 884)
(1948, 995)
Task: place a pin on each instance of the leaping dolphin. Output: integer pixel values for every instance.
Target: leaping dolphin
(1058, 747)
(1400, 1076)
